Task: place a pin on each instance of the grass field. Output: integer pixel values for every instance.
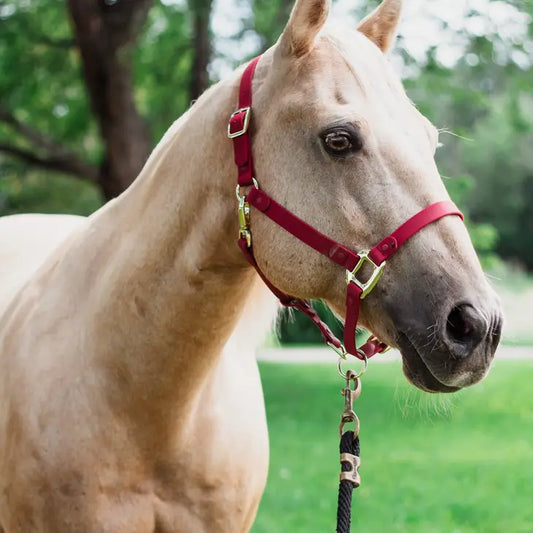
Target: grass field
(444, 464)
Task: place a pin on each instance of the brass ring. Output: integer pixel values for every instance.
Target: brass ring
(340, 351)
(353, 375)
(238, 189)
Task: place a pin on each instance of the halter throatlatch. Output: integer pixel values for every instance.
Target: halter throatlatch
(353, 263)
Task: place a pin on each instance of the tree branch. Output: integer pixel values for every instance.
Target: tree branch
(60, 162)
(63, 44)
(56, 157)
(29, 133)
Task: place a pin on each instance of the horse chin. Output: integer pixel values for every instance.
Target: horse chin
(417, 371)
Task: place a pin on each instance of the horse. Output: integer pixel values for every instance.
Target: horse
(130, 397)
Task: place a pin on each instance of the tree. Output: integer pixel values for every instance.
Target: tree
(31, 99)
(484, 100)
(105, 33)
(269, 19)
(85, 78)
(201, 44)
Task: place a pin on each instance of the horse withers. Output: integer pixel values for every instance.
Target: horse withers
(130, 399)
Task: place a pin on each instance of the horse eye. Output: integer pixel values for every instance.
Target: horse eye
(338, 143)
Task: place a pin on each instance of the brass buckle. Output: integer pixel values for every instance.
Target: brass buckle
(244, 214)
(372, 280)
(373, 338)
(246, 123)
(244, 221)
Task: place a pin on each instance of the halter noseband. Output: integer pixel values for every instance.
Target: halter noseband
(238, 131)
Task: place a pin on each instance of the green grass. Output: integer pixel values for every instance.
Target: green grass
(446, 464)
(520, 341)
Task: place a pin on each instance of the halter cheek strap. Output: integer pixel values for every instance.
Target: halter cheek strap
(238, 130)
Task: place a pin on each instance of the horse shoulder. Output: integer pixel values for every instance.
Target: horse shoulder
(225, 461)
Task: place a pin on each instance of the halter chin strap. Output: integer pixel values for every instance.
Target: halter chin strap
(238, 130)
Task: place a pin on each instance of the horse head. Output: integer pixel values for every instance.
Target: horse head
(339, 144)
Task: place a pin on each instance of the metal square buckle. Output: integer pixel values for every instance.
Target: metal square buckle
(246, 122)
(374, 277)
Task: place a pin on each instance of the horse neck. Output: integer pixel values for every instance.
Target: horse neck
(172, 280)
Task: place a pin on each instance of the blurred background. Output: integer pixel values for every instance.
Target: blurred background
(88, 87)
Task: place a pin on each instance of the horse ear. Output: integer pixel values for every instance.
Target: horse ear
(306, 20)
(380, 26)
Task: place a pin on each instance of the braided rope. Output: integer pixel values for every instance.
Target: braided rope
(348, 444)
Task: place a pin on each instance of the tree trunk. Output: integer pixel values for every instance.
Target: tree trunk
(106, 32)
(201, 15)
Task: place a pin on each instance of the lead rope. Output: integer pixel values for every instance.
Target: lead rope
(349, 453)
(349, 447)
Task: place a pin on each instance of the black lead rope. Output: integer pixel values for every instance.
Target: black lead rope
(350, 453)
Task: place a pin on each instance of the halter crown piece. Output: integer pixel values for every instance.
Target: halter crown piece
(238, 131)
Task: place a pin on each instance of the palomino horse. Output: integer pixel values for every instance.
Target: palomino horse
(123, 406)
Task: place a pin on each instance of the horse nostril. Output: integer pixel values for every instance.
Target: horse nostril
(458, 326)
(465, 328)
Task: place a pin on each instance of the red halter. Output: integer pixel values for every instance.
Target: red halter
(238, 131)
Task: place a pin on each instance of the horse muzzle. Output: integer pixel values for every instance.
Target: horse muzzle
(453, 353)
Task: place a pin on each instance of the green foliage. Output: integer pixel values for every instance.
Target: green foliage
(485, 102)
(162, 67)
(41, 82)
(484, 236)
(504, 163)
(41, 85)
(269, 19)
(430, 463)
(295, 327)
(45, 193)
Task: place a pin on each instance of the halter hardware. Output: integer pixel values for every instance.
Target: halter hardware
(366, 286)
(339, 350)
(350, 374)
(350, 395)
(244, 219)
(245, 122)
(244, 214)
